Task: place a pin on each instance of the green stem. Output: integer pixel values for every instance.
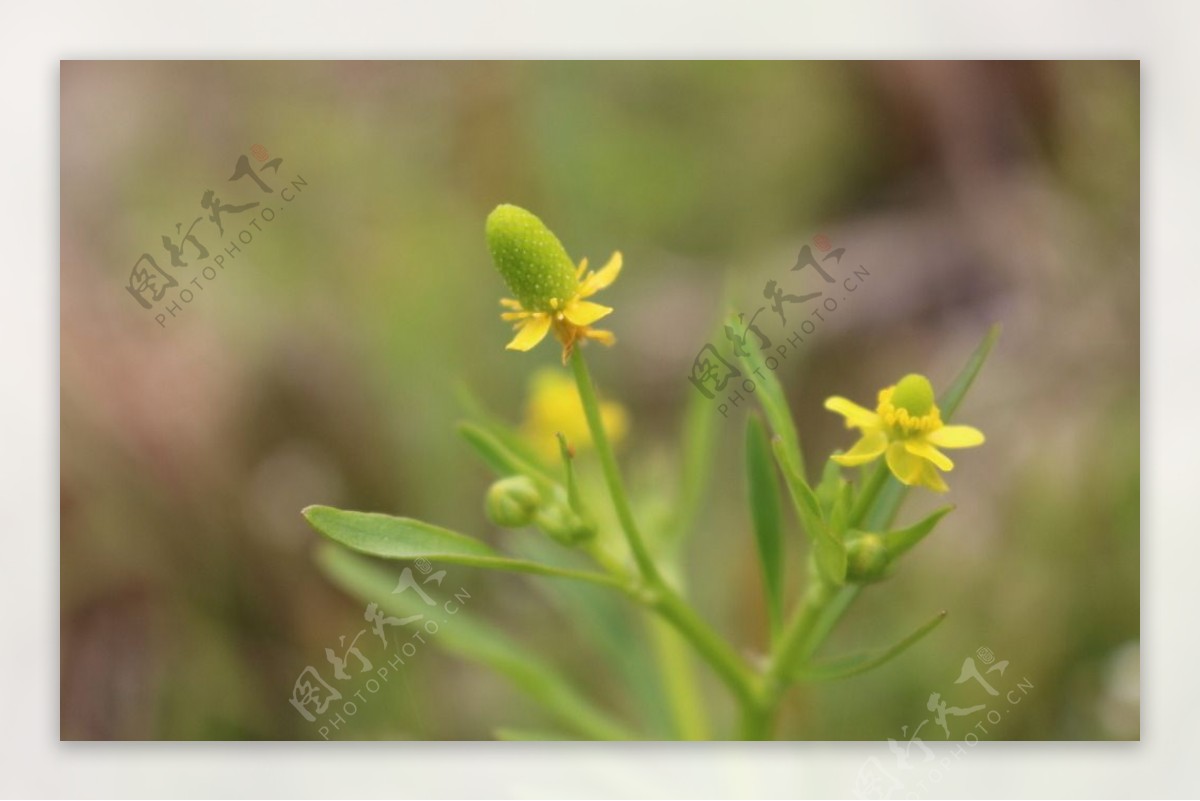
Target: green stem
(612, 475)
(715, 650)
(866, 497)
(658, 594)
(684, 698)
(758, 722)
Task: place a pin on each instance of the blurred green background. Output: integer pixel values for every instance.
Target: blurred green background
(322, 365)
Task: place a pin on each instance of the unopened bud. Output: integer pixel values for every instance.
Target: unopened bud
(564, 525)
(512, 502)
(866, 559)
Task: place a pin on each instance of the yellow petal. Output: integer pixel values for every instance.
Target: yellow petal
(917, 446)
(868, 447)
(603, 337)
(515, 315)
(510, 303)
(532, 331)
(602, 278)
(904, 466)
(956, 437)
(932, 479)
(856, 416)
(583, 312)
(581, 269)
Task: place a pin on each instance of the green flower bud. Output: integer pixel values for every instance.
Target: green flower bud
(564, 525)
(530, 258)
(867, 559)
(512, 502)
(914, 393)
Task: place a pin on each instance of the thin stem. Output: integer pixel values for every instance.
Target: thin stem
(758, 721)
(659, 595)
(715, 650)
(679, 680)
(612, 475)
(866, 496)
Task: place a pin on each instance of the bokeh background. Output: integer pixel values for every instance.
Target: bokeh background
(324, 365)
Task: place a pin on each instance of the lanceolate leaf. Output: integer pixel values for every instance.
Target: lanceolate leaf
(774, 404)
(902, 540)
(861, 663)
(404, 538)
(466, 637)
(763, 487)
(828, 550)
(502, 459)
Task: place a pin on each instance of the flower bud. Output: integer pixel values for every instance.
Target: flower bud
(867, 559)
(532, 261)
(512, 502)
(564, 525)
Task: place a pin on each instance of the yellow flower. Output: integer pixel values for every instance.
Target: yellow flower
(551, 292)
(554, 407)
(907, 427)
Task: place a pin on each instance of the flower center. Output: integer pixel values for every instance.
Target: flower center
(908, 408)
(914, 394)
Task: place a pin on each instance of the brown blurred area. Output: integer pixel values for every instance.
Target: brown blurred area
(321, 366)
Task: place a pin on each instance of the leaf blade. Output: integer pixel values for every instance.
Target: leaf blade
(403, 538)
(861, 663)
(766, 516)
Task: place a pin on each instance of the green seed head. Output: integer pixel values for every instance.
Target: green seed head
(914, 393)
(512, 502)
(530, 258)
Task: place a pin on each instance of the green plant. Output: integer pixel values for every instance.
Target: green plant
(848, 524)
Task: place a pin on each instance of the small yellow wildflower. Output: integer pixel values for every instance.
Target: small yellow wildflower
(554, 407)
(550, 291)
(907, 427)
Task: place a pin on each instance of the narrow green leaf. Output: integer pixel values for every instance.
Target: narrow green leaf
(484, 418)
(501, 458)
(887, 502)
(470, 639)
(861, 663)
(831, 484)
(839, 515)
(765, 513)
(574, 498)
(954, 394)
(774, 404)
(803, 499)
(903, 540)
(828, 551)
(699, 443)
(404, 538)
